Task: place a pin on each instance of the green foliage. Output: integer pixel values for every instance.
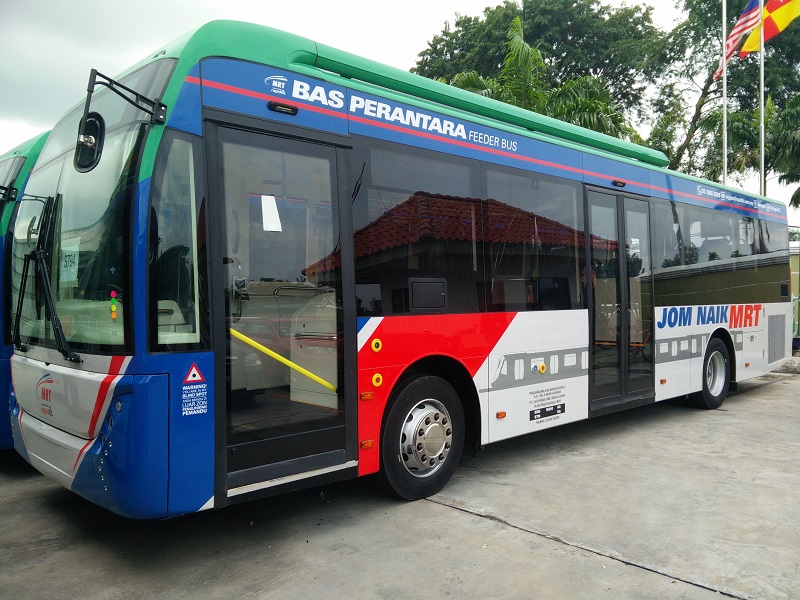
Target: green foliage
(575, 38)
(781, 148)
(696, 45)
(524, 82)
(670, 119)
(473, 44)
(585, 56)
(584, 37)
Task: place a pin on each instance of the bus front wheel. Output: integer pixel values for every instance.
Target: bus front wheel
(422, 438)
(716, 376)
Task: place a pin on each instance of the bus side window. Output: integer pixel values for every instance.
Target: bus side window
(672, 246)
(415, 218)
(772, 238)
(175, 215)
(534, 228)
(746, 236)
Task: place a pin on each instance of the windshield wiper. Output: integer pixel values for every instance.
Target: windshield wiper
(39, 255)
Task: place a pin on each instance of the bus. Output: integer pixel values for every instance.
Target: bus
(266, 264)
(15, 167)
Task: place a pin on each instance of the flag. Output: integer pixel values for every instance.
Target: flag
(777, 16)
(747, 21)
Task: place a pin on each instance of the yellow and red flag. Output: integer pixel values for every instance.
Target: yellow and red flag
(777, 16)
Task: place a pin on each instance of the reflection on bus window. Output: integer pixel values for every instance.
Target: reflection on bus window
(176, 215)
(419, 217)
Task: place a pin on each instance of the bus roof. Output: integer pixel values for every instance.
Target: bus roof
(280, 49)
(30, 150)
(276, 48)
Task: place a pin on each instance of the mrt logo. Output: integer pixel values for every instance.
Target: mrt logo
(44, 390)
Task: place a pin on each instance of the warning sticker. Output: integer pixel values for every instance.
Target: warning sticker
(194, 398)
(194, 375)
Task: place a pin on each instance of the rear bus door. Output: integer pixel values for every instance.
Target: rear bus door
(278, 318)
(620, 288)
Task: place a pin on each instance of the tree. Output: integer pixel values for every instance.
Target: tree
(575, 38)
(524, 82)
(473, 44)
(584, 37)
(692, 137)
(664, 80)
(781, 147)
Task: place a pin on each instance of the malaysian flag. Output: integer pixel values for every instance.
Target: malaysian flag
(748, 20)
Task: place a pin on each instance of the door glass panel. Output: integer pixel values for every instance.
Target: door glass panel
(605, 288)
(640, 305)
(282, 295)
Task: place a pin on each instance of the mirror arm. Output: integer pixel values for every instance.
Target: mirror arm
(155, 108)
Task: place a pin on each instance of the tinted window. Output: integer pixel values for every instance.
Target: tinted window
(432, 226)
(708, 256)
(773, 237)
(176, 247)
(417, 217)
(718, 235)
(533, 234)
(670, 230)
(9, 169)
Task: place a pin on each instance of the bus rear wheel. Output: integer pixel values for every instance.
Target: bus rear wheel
(716, 376)
(422, 438)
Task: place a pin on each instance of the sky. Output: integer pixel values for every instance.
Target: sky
(49, 46)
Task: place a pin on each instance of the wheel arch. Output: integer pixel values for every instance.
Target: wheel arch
(456, 374)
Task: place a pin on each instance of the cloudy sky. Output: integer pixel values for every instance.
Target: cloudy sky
(49, 46)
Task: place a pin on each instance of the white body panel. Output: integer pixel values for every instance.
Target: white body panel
(65, 396)
(537, 374)
(51, 451)
(682, 334)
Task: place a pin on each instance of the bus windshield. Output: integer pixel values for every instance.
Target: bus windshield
(86, 255)
(9, 169)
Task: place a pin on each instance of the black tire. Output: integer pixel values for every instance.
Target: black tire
(422, 438)
(716, 376)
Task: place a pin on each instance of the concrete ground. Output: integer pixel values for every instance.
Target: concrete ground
(663, 501)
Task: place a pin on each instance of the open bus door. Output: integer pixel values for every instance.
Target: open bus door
(278, 316)
(620, 290)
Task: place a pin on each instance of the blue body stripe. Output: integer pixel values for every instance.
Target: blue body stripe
(243, 87)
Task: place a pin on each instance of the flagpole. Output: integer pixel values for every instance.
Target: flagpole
(763, 184)
(724, 93)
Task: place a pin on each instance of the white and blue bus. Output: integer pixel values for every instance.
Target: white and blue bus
(267, 264)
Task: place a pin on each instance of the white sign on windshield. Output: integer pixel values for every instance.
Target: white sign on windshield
(270, 219)
(69, 261)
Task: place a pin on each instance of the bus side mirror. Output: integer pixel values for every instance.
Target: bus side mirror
(91, 134)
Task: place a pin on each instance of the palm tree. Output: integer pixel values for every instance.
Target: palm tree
(484, 86)
(585, 101)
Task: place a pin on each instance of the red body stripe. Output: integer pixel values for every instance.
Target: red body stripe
(468, 339)
(85, 446)
(113, 371)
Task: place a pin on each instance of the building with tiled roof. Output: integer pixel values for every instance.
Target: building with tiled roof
(488, 255)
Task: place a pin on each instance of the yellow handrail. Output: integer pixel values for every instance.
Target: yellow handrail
(281, 359)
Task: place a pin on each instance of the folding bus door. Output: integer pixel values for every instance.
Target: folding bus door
(620, 288)
(278, 318)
